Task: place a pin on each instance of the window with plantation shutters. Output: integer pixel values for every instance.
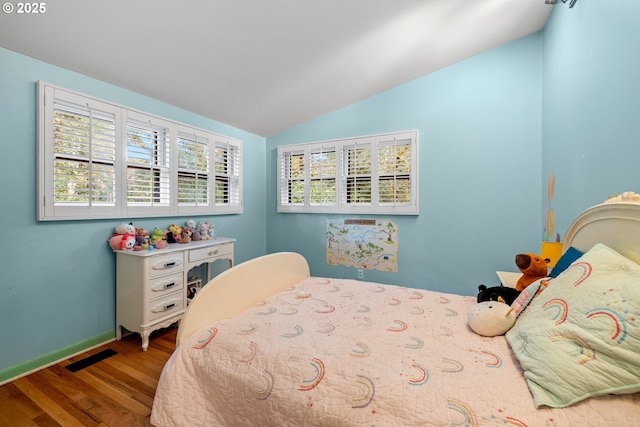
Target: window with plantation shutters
(97, 159)
(370, 174)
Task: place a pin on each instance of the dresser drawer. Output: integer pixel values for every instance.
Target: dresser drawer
(162, 286)
(161, 265)
(202, 254)
(171, 304)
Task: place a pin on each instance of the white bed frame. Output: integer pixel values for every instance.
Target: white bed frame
(241, 287)
(616, 225)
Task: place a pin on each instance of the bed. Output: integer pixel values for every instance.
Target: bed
(266, 344)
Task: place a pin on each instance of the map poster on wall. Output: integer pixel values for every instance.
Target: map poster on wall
(370, 244)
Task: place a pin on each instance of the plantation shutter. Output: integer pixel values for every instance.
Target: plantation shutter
(228, 185)
(78, 165)
(292, 176)
(322, 175)
(194, 168)
(147, 178)
(394, 171)
(357, 166)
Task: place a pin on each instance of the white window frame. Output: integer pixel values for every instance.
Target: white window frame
(300, 201)
(165, 202)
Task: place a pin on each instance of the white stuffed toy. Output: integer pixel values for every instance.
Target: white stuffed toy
(491, 318)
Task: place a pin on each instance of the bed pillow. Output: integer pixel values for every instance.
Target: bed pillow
(580, 337)
(567, 258)
(526, 296)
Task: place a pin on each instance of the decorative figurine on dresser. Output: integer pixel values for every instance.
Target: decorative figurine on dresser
(151, 283)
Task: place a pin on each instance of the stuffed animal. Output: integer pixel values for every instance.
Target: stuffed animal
(533, 267)
(175, 233)
(193, 230)
(156, 235)
(203, 228)
(497, 293)
(491, 318)
(141, 236)
(124, 228)
(122, 241)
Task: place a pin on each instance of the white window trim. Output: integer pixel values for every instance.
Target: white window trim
(48, 210)
(341, 206)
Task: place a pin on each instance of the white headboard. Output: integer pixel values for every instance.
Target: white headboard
(616, 225)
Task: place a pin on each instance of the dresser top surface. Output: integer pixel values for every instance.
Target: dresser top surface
(178, 247)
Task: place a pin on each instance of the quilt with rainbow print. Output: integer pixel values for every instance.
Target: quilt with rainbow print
(337, 352)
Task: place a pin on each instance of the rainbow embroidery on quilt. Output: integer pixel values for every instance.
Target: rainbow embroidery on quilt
(584, 269)
(417, 310)
(447, 332)
(368, 392)
(581, 346)
(297, 330)
(326, 309)
(416, 295)
(464, 409)
(269, 311)
(312, 383)
(249, 329)
(416, 343)
(516, 422)
(423, 375)
(247, 358)
(360, 350)
(618, 324)
(363, 309)
(494, 360)
(265, 391)
(562, 309)
(200, 344)
(399, 326)
(455, 365)
(326, 328)
(451, 312)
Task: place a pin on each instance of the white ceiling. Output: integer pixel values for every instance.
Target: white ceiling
(265, 65)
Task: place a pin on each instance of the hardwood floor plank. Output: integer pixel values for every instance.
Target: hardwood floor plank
(47, 403)
(114, 392)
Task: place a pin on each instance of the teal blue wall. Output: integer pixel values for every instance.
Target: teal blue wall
(480, 161)
(591, 104)
(57, 286)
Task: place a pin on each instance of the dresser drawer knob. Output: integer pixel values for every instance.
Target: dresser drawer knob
(169, 285)
(211, 253)
(170, 264)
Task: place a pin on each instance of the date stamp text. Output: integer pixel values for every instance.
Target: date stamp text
(24, 8)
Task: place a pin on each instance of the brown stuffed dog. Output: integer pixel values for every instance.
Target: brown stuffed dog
(533, 267)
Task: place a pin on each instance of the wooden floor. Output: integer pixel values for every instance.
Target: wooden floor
(117, 391)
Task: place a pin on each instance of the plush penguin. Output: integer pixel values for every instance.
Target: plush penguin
(497, 293)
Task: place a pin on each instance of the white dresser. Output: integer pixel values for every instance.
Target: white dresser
(151, 286)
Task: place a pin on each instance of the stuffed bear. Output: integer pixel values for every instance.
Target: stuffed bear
(497, 293)
(491, 318)
(533, 267)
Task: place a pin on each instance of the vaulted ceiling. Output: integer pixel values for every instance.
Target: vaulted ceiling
(265, 65)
